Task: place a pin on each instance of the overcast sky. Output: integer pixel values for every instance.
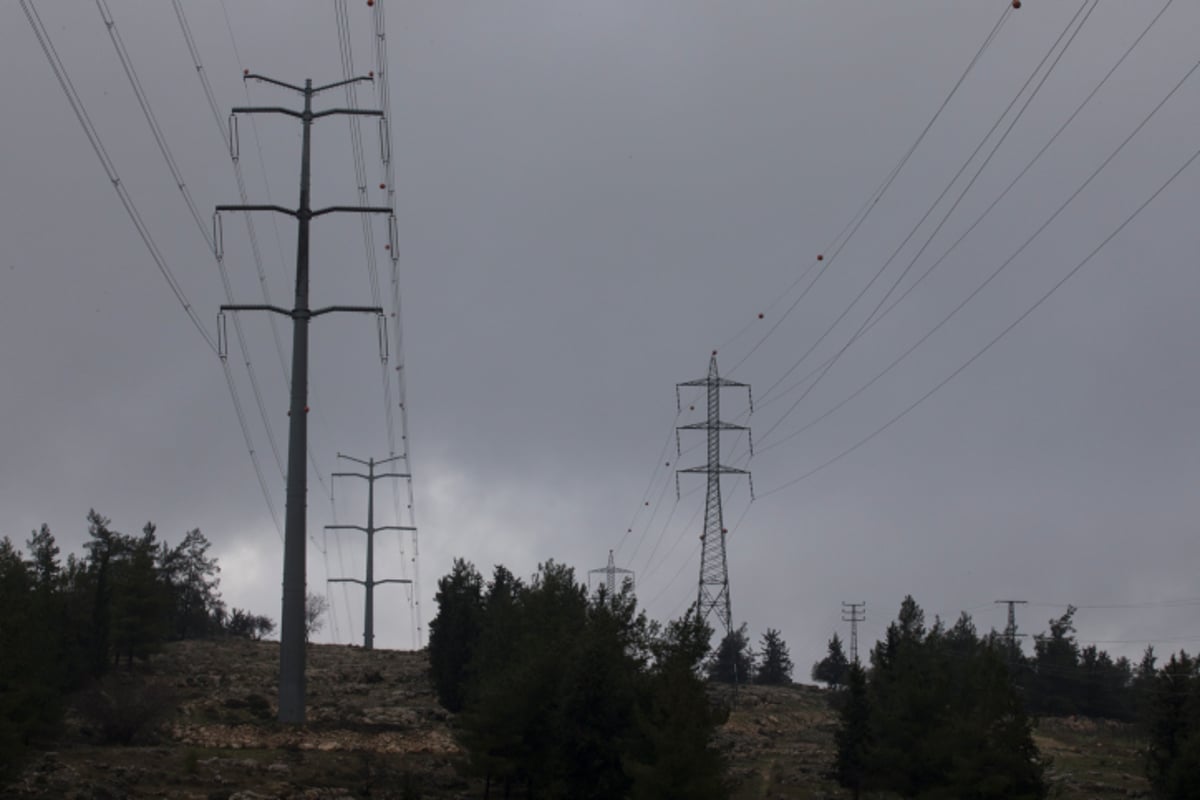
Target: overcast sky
(591, 197)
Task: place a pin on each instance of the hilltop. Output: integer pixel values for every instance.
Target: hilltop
(375, 730)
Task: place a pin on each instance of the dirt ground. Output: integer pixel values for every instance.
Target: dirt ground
(375, 730)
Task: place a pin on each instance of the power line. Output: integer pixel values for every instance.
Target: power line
(382, 74)
(93, 136)
(820, 369)
(945, 217)
(205, 232)
(873, 200)
(1018, 320)
(210, 97)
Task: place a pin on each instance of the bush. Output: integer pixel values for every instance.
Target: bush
(124, 709)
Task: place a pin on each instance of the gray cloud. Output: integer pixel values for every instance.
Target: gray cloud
(591, 197)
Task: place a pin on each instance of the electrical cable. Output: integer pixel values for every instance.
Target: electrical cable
(767, 396)
(968, 231)
(865, 211)
(209, 95)
(205, 232)
(995, 272)
(76, 103)
(1028, 311)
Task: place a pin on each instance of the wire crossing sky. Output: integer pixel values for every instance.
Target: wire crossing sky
(952, 242)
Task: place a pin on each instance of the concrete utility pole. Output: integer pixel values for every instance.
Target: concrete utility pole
(610, 576)
(292, 638)
(713, 592)
(370, 583)
(857, 613)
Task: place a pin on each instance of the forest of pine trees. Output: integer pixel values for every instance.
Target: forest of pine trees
(945, 712)
(562, 694)
(66, 623)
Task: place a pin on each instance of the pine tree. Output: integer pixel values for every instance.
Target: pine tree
(673, 757)
(1173, 755)
(776, 666)
(454, 631)
(832, 669)
(733, 661)
(853, 733)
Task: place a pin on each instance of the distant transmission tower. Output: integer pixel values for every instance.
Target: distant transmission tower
(713, 593)
(1010, 630)
(857, 613)
(610, 576)
(370, 582)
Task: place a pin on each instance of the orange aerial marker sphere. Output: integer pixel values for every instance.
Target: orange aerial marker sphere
(383, 186)
(724, 530)
(714, 352)
(1016, 3)
(245, 72)
(370, 2)
(760, 316)
(306, 409)
(387, 247)
(820, 257)
(371, 74)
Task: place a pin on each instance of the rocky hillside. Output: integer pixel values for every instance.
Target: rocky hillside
(200, 724)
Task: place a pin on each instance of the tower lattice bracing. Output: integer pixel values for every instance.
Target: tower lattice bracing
(610, 574)
(713, 593)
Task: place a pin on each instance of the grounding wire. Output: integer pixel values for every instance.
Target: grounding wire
(866, 323)
(1018, 320)
(93, 137)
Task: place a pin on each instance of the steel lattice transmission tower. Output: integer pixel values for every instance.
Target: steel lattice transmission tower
(713, 594)
(610, 573)
(1010, 630)
(857, 613)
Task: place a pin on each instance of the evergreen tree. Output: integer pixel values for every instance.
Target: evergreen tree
(833, 667)
(43, 553)
(776, 666)
(673, 757)
(1173, 755)
(139, 598)
(733, 661)
(454, 631)
(191, 576)
(942, 718)
(1056, 689)
(853, 732)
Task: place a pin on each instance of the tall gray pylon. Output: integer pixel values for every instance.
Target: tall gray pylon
(292, 629)
(369, 583)
(713, 592)
(610, 575)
